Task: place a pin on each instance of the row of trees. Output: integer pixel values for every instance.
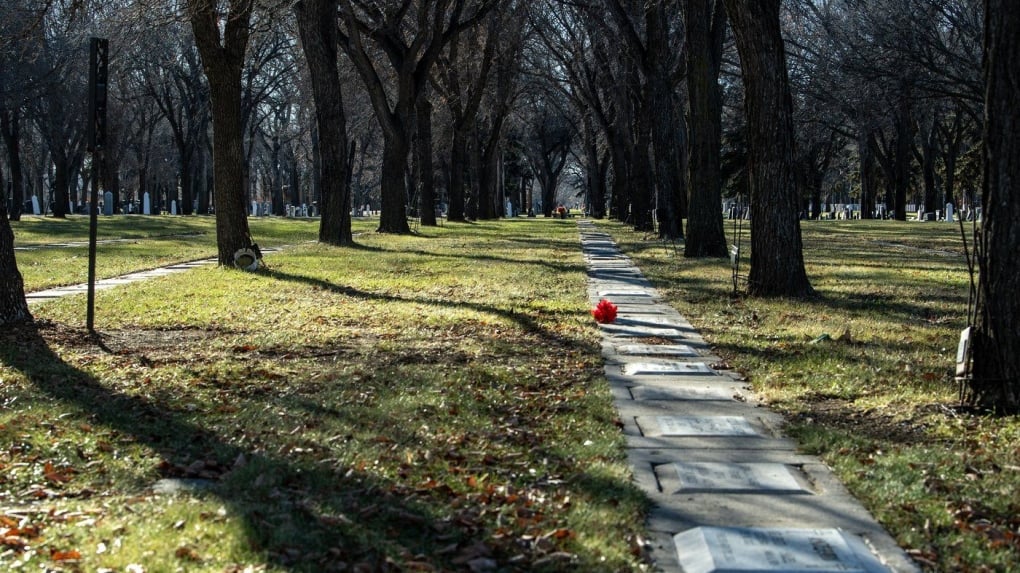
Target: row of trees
(654, 108)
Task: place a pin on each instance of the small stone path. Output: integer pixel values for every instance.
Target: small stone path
(730, 492)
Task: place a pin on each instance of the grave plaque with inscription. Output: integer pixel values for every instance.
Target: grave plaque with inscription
(716, 476)
(704, 426)
(743, 549)
(660, 368)
(656, 349)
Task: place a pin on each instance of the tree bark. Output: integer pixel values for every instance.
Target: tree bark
(10, 125)
(458, 160)
(317, 26)
(996, 371)
(424, 169)
(223, 62)
(777, 259)
(13, 306)
(705, 234)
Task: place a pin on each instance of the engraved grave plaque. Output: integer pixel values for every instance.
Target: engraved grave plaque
(744, 549)
(661, 368)
(704, 426)
(656, 349)
(716, 476)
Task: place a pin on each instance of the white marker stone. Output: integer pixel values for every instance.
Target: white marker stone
(704, 426)
(744, 549)
(656, 349)
(624, 292)
(717, 476)
(660, 368)
(642, 331)
(679, 393)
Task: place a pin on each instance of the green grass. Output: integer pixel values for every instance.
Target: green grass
(413, 403)
(141, 243)
(877, 400)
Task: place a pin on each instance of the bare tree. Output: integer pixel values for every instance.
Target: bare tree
(996, 373)
(777, 259)
(318, 26)
(223, 57)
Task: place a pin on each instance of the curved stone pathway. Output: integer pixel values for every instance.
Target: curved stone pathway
(730, 492)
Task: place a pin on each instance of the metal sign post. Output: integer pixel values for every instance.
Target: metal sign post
(99, 55)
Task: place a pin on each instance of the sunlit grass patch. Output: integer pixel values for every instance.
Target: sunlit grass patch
(414, 402)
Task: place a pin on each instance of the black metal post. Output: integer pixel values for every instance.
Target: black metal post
(99, 50)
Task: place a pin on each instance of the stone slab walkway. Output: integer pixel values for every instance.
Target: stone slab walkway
(730, 492)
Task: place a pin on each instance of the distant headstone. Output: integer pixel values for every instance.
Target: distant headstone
(949, 212)
(35, 205)
(173, 207)
(665, 368)
(717, 476)
(743, 549)
(254, 208)
(146, 204)
(704, 426)
(108, 203)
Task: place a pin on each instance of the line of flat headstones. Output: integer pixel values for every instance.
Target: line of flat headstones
(708, 548)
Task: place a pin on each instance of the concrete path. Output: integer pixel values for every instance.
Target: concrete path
(730, 492)
(57, 292)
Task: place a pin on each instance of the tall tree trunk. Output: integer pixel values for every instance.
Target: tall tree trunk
(13, 306)
(458, 159)
(705, 234)
(425, 171)
(223, 62)
(996, 373)
(393, 217)
(904, 152)
(61, 185)
(869, 183)
(10, 125)
(777, 259)
(642, 181)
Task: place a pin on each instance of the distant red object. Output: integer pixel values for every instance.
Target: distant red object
(604, 312)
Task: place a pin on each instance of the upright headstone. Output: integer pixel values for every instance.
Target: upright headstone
(173, 207)
(35, 205)
(949, 212)
(146, 204)
(254, 208)
(108, 203)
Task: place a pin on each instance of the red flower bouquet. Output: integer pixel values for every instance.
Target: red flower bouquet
(604, 312)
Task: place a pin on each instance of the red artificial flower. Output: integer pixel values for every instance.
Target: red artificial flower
(604, 312)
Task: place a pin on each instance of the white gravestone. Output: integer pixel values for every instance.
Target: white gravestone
(743, 549)
(108, 203)
(710, 476)
(173, 207)
(146, 204)
(35, 205)
(704, 426)
(254, 208)
(949, 212)
(660, 368)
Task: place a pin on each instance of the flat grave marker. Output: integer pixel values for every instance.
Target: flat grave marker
(656, 350)
(744, 549)
(733, 477)
(679, 426)
(665, 368)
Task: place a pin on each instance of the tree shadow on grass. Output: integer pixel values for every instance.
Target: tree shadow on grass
(301, 511)
(303, 515)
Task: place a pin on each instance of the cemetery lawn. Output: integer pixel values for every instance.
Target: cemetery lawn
(414, 403)
(865, 372)
(54, 252)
